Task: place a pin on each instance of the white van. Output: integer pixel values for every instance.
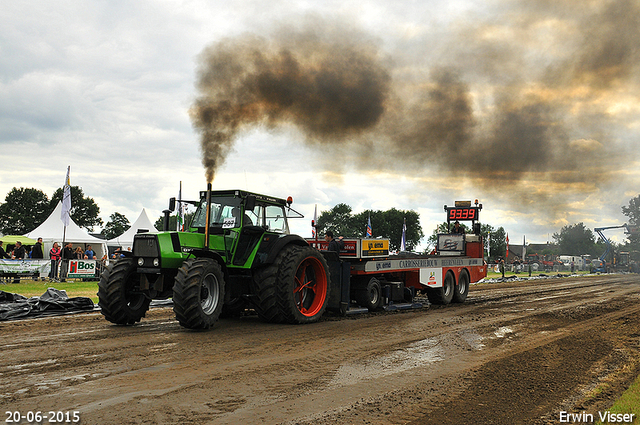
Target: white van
(579, 263)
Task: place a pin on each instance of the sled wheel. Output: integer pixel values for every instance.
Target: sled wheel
(462, 289)
(371, 296)
(303, 285)
(119, 297)
(442, 295)
(198, 293)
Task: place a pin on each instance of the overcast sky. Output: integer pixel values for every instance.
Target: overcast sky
(529, 106)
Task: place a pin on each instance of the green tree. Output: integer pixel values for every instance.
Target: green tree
(84, 211)
(633, 212)
(386, 224)
(497, 243)
(575, 239)
(173, 221)
(339, 220)
(117, 225)
(23, 210)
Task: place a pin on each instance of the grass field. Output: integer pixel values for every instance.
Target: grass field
(628, 403)
(31, 288)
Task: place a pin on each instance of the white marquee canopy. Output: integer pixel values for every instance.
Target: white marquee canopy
(125, 240)
(53, 230)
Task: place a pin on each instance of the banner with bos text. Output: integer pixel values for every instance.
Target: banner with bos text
(41, 267)
(81, 268)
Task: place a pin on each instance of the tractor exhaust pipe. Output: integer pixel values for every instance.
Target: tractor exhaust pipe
(208, 223)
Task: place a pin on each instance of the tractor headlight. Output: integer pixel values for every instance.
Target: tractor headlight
(156, 262)
(141, 261)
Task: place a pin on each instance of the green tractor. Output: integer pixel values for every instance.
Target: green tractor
(243, 258)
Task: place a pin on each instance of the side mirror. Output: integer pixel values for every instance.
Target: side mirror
(172, 204)
(250, 202)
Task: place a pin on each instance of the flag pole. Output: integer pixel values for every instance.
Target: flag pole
(65, 212)
(179, 217)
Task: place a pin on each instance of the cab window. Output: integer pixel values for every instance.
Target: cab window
(275, 219)
(254, 217)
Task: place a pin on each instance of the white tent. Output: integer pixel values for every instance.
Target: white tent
(125, 240)
(52, 230)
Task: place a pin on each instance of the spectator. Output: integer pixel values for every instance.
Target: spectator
(90, 254)
(36, 251)
(457, 229)
(334, 244)
(67, 255)
(18, 252)
(55, 255)
(3, 253)
(117, 254)
(78, 254)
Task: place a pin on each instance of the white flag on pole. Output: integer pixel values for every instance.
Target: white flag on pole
(66, 200)
(314, 223)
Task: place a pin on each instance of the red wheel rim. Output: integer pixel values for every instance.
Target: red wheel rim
(310, 287)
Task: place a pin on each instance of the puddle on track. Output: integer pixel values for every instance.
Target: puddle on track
(418, 354)
(503, 331)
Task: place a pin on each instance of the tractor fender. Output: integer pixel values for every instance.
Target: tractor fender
(279, 244)
(205, 253)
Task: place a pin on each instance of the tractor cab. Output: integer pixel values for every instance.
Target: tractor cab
(238, 210)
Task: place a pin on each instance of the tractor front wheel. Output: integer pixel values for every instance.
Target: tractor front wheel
(302, 285)
(198, 293)
(120, 299)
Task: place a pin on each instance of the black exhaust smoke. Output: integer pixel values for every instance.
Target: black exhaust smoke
(526, 122)
(329, 88)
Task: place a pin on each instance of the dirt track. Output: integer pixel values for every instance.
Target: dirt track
(516, 352)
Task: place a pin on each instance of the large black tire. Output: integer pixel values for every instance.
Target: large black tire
(266, 297)
(198, 293)
(302, 284)
(462, 288)
(121, 302)
(370, 296)
(442, 295)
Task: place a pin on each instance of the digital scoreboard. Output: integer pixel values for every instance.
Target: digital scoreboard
(460, 214)
(463, 211)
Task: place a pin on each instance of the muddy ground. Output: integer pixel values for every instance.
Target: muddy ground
(514, 353)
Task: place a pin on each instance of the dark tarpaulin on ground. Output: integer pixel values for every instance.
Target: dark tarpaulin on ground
(14, 306)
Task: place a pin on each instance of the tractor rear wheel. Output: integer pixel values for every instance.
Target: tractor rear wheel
(370, 296)
(120, 299)
(302, 284)
(442, 295)
(198, 293)
(264, 283)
